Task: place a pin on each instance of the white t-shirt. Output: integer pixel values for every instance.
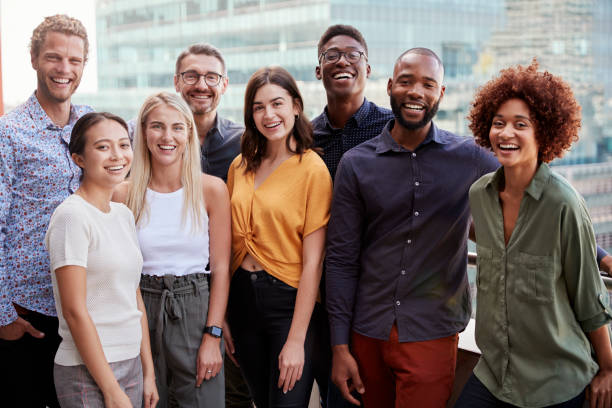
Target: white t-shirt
(105, 245)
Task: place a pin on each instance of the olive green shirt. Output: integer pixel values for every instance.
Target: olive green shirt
(537, 296)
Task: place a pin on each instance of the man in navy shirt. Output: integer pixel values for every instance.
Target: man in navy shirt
(349, 118)
(397, 288)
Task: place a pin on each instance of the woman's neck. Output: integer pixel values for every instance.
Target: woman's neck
(518, 178)
(166, 179)
(96, 195)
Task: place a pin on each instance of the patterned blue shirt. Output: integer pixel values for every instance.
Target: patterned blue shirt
(36, 175)
(365, 124)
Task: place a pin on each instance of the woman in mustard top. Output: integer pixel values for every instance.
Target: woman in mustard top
(280, 198)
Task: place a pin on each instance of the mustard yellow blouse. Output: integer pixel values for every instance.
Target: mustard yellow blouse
(270, 222)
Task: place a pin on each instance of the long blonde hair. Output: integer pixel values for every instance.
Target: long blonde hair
(191, 173)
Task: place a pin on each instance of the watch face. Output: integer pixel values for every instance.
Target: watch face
(215, 331)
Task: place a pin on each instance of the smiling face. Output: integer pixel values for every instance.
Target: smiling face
(59, 67)
(166, 134)
(201, 97)
(107, 155)
(274, 112)
(343, 79)
(512, 135)
(416, 90)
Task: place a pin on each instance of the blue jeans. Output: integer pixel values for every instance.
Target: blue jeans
(260, 311)
(476, 395)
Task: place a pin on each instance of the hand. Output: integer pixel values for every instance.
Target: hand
(229, 343)
(209, 361)
(345, 373)
(599, 392)
(290, 364)
(606, 264)
(16, 330)
(117, 399)
(150, 394)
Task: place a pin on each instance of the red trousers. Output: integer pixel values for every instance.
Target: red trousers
(402, 375)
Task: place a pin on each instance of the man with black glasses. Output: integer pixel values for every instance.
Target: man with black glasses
(201, 79)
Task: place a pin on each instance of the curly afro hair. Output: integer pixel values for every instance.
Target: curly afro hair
(553, 108)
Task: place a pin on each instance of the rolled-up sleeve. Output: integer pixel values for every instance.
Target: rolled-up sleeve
(343, 252)
(586, 290)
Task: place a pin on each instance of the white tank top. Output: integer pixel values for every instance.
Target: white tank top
(167, 246)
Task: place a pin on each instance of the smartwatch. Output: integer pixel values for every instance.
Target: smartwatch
(214, 331)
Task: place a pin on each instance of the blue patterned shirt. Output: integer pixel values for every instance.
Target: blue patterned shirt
(365, 124)
(36, 175)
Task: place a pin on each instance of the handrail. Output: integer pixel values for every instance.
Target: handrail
(607, 279)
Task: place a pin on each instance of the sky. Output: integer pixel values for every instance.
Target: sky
(17, 20)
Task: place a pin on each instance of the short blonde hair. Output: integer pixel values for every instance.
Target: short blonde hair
(59, 23)
(191, 173)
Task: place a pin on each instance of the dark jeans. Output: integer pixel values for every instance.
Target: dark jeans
(27, 365)
(260, 310)
(476, 395)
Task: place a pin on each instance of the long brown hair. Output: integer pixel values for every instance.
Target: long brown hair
(253, 145)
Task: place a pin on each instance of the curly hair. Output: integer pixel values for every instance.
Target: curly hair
(59, 23)
(552, 106)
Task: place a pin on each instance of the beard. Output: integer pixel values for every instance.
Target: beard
(430, 112)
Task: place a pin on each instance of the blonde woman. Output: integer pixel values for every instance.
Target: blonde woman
(183, 223)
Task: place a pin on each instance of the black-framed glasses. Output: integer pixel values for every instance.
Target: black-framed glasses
(332, 56)
(192, 77)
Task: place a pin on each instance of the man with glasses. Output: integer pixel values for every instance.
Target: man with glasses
(201, 79)
(36, 175)
(349, 118)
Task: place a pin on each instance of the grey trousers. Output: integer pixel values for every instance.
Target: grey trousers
(76, 388)
(177, 307)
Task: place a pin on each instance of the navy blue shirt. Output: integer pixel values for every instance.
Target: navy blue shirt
(397, 237)
(221, 145)
(365, 124)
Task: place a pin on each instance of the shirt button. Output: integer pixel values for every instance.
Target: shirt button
(403, 272)
(409, 241)
(416, 183)
(413, 154)
(416, 213)
(397, 302)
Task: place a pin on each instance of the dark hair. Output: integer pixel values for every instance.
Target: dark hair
(421, 51)
(200, 49)
(554, 110)
(253, 144)
(341, 29)
(77, 137)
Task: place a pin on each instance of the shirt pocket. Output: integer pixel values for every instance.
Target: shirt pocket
(535, 278)
(487, 268)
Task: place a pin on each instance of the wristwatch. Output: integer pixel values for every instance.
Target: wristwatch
(214, 331)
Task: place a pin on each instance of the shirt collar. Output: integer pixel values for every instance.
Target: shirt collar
(387, 143)
(535, 187)
(216, 131)
(41, 119)
(360, 117)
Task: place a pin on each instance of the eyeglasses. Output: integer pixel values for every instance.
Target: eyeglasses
(192, 78)
(332, 56)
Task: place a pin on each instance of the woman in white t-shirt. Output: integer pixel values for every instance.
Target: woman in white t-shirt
(104, 358)
(182, 216)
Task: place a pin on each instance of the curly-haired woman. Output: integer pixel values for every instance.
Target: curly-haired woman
(542, 306)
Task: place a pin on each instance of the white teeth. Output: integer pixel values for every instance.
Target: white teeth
(60, 80)
(167, 147)
(201, 96)
(343, 75)
(272, 125)
(114, 168)
(508, 146)
(412, 106)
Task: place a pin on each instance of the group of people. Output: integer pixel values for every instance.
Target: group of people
(177, 260)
